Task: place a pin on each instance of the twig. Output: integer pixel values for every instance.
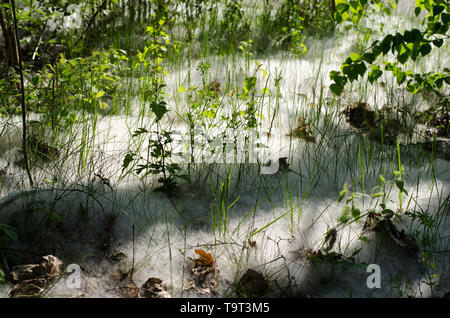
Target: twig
(39, 42)
(91, 21)
(132, 268)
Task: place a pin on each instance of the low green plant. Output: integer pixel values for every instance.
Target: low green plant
(159, 153)
(352, 211)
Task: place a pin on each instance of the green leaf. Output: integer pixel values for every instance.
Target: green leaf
(386, 44)
(401, 76)
(9, 231)
(417, 11)
(139, 131)
(159, 109)
(438, 42)
(437, 9)
(356, 213)
(129, 157)
(355, 57)
(445, 17)
(369, 57)
(336, 89)
(345, 214)
(400, 184)
(412, 36)
(364, 239)
(354, 4)
(374, 74)
(342, 193)
(425, 49)
(356, 252)
(99, 94)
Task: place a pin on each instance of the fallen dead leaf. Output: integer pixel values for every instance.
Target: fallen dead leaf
(31, 280)
(205, 259)
(154, 288)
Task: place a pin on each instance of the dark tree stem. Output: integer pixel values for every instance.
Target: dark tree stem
(22, 88)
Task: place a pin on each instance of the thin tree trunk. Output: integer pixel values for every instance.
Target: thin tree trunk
(24, 114)
(12, 51)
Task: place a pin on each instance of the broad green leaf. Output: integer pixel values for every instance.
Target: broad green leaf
(425, 49)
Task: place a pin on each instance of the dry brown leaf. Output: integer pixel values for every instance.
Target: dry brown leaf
(205, 259)
(154, 288)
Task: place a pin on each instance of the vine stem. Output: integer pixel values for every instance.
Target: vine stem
(22, 88)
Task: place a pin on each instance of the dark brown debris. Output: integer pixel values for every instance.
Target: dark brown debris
(214, 87)
(302, 130)
(360, 115)
(252, 284)
(154, 288)
(378, 223)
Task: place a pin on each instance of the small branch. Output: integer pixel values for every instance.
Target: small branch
(91, 21)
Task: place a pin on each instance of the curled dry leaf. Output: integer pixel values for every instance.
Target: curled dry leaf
(205, 259)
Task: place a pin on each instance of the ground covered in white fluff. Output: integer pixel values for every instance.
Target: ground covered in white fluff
(284, 225)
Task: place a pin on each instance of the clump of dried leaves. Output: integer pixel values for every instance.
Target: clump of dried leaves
(302, 130)
(204, 274)
(33, 279)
